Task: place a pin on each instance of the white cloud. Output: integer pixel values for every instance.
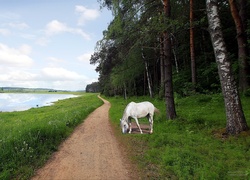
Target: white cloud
(86, 14)
(15, 57)
(42, 41)
(55, 60)
(27, 36)
(19, 26)
(55, 27)
(17, 75)
(25, 64)
(85, 57)
(48, 77)
(25, 49)
(60, 74)
(80, 32)
(15, 71)
(4, 32)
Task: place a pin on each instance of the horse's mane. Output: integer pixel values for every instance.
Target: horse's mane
(125, 115)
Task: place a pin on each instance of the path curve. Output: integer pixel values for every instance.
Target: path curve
(91, 152)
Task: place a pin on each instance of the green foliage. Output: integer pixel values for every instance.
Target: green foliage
(140, 24)
(247, 93)
(28, 138)
(192, 146)
(94, 87)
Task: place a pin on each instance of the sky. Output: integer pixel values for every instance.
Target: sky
(48, 43)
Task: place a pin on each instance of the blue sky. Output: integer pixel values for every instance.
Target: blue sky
(48, 43)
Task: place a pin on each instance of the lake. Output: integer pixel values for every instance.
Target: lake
(22, 101)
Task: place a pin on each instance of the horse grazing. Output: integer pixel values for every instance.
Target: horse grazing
(135, 111)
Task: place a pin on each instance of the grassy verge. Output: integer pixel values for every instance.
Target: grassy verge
(190, 147)
(28, 138)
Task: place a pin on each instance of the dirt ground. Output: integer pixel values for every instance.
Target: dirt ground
(91, 152)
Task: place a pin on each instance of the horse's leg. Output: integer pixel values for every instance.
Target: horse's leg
(151, 122)
(130, 127)
(136, 120)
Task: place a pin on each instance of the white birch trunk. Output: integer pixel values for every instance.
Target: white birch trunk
(148, 76)
(236, 122)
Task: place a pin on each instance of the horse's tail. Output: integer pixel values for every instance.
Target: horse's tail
(156, 110)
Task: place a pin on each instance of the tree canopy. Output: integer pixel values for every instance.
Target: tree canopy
(163, 47)
(136, 31)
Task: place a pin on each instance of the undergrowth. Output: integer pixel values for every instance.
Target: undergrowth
(28, 138)
(191, 146)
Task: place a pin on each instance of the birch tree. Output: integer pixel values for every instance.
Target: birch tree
(147, 74)
(236, 121)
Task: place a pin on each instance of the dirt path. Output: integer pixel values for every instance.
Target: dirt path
(91, 152)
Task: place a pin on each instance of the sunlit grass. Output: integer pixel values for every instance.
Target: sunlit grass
(28, 138)
(190, 147)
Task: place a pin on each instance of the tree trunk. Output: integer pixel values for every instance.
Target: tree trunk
(162, 88)
(125, 91)
(174, 54)
(147, 74)
(236, 121)
(169, 94)
(242, 46)
(192, 55)
(156, 69)
(243, 13)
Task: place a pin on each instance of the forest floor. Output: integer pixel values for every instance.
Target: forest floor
(91, 152)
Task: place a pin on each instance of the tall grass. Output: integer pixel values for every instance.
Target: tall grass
(29, 137)
(192, 146)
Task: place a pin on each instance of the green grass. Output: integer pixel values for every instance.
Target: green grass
(28, 138)
(190, 147)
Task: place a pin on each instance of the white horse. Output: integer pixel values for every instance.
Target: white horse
(135, 111)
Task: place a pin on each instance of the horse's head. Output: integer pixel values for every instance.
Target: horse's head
(124, 126)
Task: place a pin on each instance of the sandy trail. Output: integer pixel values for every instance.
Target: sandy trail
(91, 152)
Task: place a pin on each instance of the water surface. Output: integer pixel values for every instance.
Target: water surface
(22, 101)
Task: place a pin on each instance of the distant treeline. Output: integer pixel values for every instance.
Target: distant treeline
(93, 87)
(22, 89)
